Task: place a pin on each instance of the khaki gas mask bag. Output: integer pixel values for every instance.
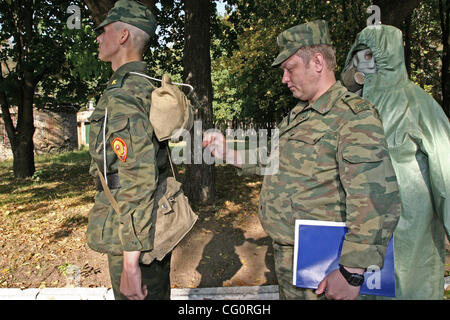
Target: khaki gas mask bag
(171, 110)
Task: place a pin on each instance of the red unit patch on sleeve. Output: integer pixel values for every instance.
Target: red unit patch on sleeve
(120, 148)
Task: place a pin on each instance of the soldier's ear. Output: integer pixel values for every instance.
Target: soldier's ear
(318, 62)
(124, 35)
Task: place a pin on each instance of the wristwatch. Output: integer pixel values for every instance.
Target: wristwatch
(353, 279)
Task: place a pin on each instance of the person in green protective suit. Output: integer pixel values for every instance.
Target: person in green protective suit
(418, 137)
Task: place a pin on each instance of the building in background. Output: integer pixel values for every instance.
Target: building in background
(83, 125)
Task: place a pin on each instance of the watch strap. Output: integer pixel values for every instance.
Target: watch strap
(353, 279)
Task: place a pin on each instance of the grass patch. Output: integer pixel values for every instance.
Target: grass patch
(63, 176)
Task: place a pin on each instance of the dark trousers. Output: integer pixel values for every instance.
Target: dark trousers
(156, 276)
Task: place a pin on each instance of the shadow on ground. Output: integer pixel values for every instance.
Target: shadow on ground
(227, 246)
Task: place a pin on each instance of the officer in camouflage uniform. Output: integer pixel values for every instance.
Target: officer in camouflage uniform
(333, 166)
(124, 149)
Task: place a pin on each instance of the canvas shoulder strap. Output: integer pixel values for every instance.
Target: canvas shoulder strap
(170, 161)
(108, 193)
(160, 80)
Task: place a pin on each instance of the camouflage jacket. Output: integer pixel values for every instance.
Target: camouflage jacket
(134, 153)
(333, 166)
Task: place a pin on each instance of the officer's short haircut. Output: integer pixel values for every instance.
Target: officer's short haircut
(140, 38)
(327, 51)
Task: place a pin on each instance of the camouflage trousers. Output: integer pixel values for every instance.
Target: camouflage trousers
(284, 259)
(156, 276)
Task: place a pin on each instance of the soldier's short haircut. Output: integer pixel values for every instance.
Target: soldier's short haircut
(140, 38)
(327, 51)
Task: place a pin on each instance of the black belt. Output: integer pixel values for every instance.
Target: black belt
(113, 182)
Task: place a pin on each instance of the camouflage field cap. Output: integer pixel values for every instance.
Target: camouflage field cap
(307, 34)
(131, 12)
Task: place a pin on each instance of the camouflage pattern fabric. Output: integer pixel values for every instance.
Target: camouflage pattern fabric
(131, 12)
(156, 276)
(142, 165)
(307, 34)
(283, 256)
(333, 166)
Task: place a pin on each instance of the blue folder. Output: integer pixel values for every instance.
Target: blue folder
(318, 246)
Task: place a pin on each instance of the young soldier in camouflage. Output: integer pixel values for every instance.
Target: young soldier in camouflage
(124, 149)
(333, 166)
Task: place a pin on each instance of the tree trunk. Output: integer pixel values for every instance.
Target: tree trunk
(200, 177)
(444, 12)
(395, 12)
(21, 135)
(23, 151)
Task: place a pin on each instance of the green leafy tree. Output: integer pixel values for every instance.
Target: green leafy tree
(38, 69)
(426, 47)
(444, 15)
(426, 33)
(226, 106)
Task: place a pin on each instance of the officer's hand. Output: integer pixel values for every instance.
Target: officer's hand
(337, 288)
(216, 143)
(131, 278)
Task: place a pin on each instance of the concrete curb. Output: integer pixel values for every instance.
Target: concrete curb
(221, 293)
(227, 293)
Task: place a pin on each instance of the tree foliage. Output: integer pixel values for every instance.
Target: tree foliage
(427, 30)
(62, 62)
(256, 24)
(249, 89)
(426, 48)
(40, 68)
